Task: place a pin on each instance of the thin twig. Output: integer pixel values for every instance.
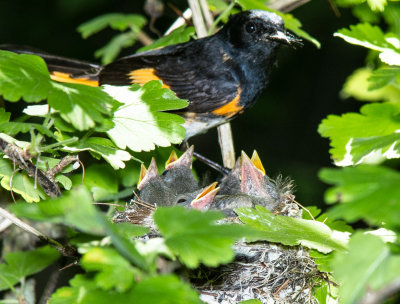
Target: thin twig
(63, 250)
(50, 286)
(64, 162)
(304, 208)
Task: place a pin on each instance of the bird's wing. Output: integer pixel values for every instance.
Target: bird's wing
(190, 70)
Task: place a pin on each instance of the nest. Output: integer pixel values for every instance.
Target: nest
(270, 273)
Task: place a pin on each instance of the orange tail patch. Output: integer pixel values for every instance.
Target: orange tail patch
(65, 77)
(141, 76)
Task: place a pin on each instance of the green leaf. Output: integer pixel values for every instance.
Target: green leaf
(84, 290)
(252, 301)
(23, 76)
(4, 116)
(322, 260)
(370, 193)
(360, 86)
(118, 22)
(348, 3)
(291, 23)
(383, 77)
(372, 37)
(103, 147)
(195, 237)
(19, 183)
(291, 231)
(179, 35)
(377, 5)
(12, 128)
(74, 209)
(372, 267)
(365, 137)
(139, 123)
(166, 289)
(102, 181)
(26, 76)
(121, 237)
(64, 181)
(89, 104)
(113, 271)
(18, 265)
(111, 50)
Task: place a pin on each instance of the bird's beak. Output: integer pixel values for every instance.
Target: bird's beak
(286, 38)
(147, 174)
(204, 200)
(184, 161)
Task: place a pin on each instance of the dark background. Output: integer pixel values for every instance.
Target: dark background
(282, 126)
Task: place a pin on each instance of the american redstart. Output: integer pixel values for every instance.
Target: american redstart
(221, 75)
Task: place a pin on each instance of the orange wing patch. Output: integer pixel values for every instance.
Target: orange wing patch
(141, 76)
(231, 108)
(65, 77)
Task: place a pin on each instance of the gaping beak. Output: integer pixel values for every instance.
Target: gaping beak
(286, 38)
(204, 200)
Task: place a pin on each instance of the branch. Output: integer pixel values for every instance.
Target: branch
(44, 179)
(286, 5)
(378, 296)
(67, 251)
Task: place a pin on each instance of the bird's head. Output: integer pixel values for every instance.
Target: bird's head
(258, 27)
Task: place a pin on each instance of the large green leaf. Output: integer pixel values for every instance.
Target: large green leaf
(26, 76)
(372, 37)
(140, 123)
(371, 193)
(74, 209)
(195, 237)
(370, 135)
(19, 265)
(291, 231)
(103, 147)
(368, 265)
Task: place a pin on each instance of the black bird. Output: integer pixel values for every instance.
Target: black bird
(221, 75)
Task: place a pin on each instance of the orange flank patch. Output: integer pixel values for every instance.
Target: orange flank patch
(65, 77)
(231, 108)
(141, 76)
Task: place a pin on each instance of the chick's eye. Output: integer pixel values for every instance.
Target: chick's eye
(181, 201)
(250, 27)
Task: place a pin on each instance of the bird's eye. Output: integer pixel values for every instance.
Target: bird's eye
(181, 201)
(250, 27)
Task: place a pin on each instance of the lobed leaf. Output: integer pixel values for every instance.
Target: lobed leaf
(291, 231)
(140, 123)
(18, 265)
(370, 193)
(358, 138)
(372, 37)
(195, 237)
(373, 267)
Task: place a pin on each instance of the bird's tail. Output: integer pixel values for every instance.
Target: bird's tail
(62, 69)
